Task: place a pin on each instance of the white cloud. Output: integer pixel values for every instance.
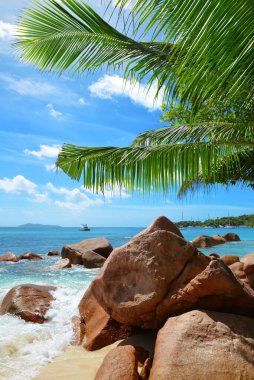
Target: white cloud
(7, 30)
(41, 198)
(46, 151)
(51, 167)
(82, 101)
(28, 86)
(74, 199)
(18, 184)
(113, 85)
(54, 113)
(108, 194)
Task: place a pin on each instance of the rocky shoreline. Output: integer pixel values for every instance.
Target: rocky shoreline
(200, 306)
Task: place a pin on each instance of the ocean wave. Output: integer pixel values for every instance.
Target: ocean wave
(22, 342)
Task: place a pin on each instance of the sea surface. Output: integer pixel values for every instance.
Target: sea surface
(25, 347)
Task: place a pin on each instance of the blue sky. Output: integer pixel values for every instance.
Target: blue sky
(39, 112)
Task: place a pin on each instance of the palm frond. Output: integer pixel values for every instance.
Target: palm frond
(214, 43)
(198, 132)
(148, 168)
(71, 36)
(243, 177)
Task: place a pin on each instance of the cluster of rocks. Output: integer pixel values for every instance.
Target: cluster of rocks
(205, 241)
(11, 257)
(91, 253)
(200, 307)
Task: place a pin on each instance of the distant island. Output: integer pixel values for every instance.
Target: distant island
(35, 225)
(232, 221)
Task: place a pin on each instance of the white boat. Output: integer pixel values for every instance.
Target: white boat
(84, 227)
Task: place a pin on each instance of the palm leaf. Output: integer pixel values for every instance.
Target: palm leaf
(73, 37)
(198, 132)
(214, 42)
(148, 168)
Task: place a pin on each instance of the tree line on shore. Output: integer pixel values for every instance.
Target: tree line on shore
(234, 221)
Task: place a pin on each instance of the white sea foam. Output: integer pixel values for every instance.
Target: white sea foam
(25, 347)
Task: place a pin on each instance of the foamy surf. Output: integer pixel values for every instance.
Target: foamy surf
(25, 347)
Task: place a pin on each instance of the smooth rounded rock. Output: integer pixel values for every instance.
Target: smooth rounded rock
(137, 276)
(162, 223)
(91, 259)
(9, 256)
(100, 329)
(121, 363)
(230, 259)
(231, 237)
(202, 345)
(248, 263)
(74, 252)
(30, 256)
(30, 302)
(53, 253)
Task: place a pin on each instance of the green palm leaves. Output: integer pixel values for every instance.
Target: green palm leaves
(72, 37)
(196, 51)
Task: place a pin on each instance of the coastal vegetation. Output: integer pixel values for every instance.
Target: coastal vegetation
(198, 55)
(232, 221)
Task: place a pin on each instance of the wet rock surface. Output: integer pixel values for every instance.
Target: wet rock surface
(29, 302)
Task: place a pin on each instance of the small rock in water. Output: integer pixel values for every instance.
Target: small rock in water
(9, 256)
(74, 252)
(30, 256)
(29, 302)
(53, 253)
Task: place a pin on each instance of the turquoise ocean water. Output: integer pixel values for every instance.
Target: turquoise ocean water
(22, 342)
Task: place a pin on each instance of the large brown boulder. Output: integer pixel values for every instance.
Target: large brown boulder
(203, 345)
(92, 259)
(30, 256)
(230, 236)
(205, 241)
(237, 269)
(9, 256)
(29, 302)
(230, 259)
(137, 276)
(248, 263)
(74, 252)
(100, 329)
(161, 223)
(121, 363)
(216, 288)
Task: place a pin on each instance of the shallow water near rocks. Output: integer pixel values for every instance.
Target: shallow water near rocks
(25, 347)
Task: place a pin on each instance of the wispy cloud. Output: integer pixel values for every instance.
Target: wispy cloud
(28, 86)
(45, 151)
(82, 101)
(113, 85)
(50, 167)
(44, 90)
(54, 113)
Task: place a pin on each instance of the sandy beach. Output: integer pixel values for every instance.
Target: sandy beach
(76, 363)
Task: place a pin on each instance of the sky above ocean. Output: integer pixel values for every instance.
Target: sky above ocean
(39, 112)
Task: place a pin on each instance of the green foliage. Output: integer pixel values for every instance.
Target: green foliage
(198, 53)
(234, 221)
